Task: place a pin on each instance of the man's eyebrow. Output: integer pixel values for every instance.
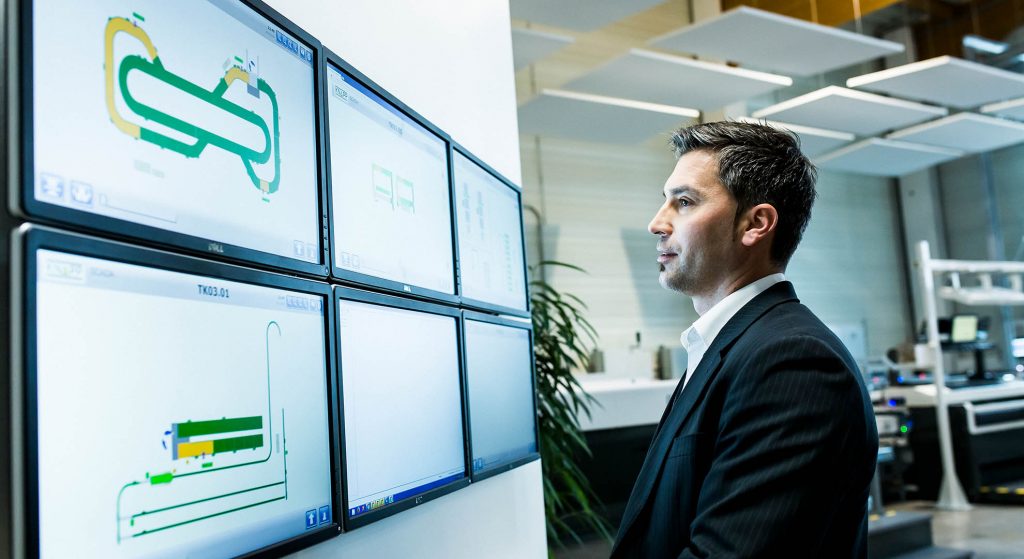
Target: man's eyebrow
(680, 190)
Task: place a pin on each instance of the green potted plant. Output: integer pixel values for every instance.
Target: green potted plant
(561, 339)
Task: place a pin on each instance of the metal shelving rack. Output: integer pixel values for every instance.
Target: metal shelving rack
(951, 493)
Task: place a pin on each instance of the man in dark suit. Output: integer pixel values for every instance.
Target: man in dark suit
(768, 445)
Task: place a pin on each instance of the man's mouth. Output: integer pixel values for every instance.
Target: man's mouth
(665, 255)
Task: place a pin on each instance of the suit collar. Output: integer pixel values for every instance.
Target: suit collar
(684, 403)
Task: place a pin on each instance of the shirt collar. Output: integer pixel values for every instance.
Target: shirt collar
(706, 328)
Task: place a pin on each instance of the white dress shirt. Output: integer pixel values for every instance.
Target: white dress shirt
(698, 338)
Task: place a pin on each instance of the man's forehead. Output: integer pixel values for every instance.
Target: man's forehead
(696, 171)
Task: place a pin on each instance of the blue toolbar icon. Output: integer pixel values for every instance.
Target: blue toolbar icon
(325, 514)
(310, 519)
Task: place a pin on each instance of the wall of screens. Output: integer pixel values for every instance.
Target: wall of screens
(161, 198)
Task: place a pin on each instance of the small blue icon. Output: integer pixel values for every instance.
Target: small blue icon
(325, 514)
(51, 185)
(310, 519)
(299, 248)
(81, 193)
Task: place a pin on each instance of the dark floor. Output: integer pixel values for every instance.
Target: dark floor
(992, 532)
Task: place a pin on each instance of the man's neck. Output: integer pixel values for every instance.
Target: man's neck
(703, 302)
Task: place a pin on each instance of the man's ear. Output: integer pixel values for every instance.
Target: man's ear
(758, 224)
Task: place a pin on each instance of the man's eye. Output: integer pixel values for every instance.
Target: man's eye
(683, 202)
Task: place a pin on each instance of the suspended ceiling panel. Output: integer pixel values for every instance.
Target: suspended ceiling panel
(846, 110)
(886, 158)
(945, 80)
(784, 44)
(813, 141)
(674, 80)
(579, 15)
(965, 131)
(567, 114)
(1008, 109)
(529, 46)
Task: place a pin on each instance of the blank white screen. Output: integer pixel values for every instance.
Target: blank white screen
(501, 402)
(402, 400)
(389, 181)
(490, 237)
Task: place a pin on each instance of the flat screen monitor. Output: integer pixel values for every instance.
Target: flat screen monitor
(403, 428)
(174, 413)
(390, 194)
(188, 125)
(963, 328)
(501, 396)
(492, 263)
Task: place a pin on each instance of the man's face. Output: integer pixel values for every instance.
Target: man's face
(697, 238)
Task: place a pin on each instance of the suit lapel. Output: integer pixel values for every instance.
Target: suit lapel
(676, 416)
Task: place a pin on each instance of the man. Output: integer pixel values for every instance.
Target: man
(768, 445)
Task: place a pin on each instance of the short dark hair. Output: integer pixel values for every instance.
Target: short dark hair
(759, 164)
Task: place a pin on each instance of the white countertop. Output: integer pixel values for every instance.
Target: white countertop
(624, 402)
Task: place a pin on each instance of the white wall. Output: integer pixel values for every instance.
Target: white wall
(452, 62)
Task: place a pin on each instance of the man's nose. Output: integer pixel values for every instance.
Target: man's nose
(660, 225)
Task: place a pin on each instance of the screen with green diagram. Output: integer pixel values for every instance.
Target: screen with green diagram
(196, 118)
(178, 415)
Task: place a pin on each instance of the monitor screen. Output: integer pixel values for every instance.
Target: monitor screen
(199, 121)
(403, 428)
(389, 184)
(499, 380)
(964, 328)
(491, 261)
(178, 415)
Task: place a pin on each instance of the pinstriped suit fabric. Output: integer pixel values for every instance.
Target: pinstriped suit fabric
(768, 451)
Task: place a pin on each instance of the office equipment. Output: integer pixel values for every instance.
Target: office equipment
(987, 410)
(391, 205)
(489, 220)
(204, 140)
(172, 406)
(403, 418)
(501, 393)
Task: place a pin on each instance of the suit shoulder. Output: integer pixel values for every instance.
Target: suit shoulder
(790, 321)
(791, 332)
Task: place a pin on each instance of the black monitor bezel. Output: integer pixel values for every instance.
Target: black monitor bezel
(341, 275)
(478, 304)
(22, 200)
(361, 296)
(468, 315)
(27, 239)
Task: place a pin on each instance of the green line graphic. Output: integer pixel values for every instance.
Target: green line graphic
(218, 426)
(155, 68)
(182, 431)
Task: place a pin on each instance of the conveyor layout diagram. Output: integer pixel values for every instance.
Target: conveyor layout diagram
(154, 67)
(218, 467)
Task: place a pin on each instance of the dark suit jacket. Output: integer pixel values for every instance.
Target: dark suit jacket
(767, 452)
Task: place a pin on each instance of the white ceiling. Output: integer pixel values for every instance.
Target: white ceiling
(783, 44)
(1009, 109)
(529, 46)
(886, 158)
(579, 15)
(845, 110)
(946, 81)
(567, 114)
(965, 131)
(674, 80)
